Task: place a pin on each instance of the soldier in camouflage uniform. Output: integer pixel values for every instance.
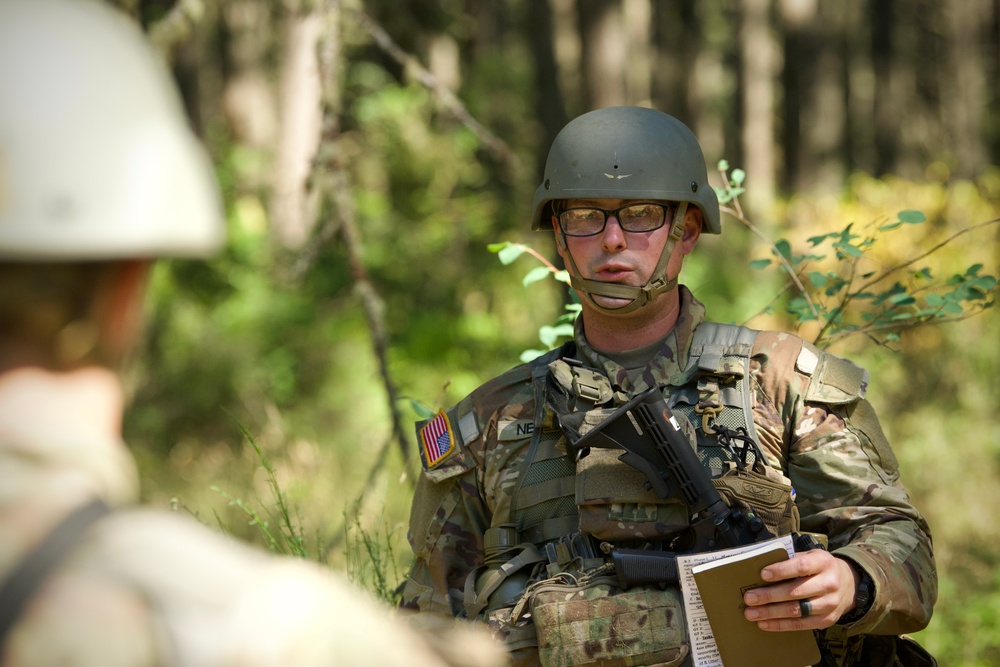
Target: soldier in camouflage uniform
(505, 521)
(98, 174)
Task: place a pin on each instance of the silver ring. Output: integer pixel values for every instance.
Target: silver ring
(805, 608)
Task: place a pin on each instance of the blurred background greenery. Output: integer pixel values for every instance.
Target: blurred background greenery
(369, 152)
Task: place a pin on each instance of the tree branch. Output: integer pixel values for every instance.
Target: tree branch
(332, 183)
(451, 103)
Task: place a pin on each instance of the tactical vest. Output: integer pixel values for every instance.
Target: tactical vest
(711, 394)
(562, 507)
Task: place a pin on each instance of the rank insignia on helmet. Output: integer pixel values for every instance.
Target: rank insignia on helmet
(437, 439)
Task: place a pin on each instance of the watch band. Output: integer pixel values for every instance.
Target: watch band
(864, 595)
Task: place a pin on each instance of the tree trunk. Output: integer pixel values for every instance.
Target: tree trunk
(638, 63)
(885, 116)
(758, 62)
(813, 108)
(963, 85)
(299, 133)
(859, 90)
(603, 53)
(550, 106)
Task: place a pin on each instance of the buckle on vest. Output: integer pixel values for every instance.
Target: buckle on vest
(709, 404)
(582, 383)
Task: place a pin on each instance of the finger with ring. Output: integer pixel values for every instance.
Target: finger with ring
(805, 608)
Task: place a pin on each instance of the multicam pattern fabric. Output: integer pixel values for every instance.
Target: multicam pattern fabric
(600, 625)
(812, 421)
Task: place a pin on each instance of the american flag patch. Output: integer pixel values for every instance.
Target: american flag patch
(438, 440)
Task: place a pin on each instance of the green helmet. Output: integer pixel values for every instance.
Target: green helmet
(626, 153)
(97, 160)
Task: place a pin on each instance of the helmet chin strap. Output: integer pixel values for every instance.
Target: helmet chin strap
(638, 296)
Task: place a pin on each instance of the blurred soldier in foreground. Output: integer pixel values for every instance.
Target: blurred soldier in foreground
(99, 175)
(514, 525)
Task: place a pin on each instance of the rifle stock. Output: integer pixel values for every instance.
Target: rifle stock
(654, 445)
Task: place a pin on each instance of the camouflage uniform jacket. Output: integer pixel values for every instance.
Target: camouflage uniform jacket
(830, 447)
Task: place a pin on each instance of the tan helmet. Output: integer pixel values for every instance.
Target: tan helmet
(96, 157)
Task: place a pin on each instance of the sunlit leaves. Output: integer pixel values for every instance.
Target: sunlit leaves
(847, 298)
(506, 252)
(734, 186)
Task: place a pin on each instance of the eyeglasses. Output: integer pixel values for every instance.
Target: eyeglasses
(635, 218)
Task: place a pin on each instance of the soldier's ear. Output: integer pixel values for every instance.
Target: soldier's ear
(693, 221)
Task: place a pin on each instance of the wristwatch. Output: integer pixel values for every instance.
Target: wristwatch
(863, 596)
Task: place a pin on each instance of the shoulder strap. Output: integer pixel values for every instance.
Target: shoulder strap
(21, 584)
(712, 341)
(725, 349)
(719, 369)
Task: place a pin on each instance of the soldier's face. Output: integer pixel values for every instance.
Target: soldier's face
(617, 256)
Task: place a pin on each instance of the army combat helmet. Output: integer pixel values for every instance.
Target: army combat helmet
(97, 161)
(627, 153)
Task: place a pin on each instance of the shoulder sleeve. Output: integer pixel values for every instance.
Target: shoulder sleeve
(811, 408)
(449, 515)
(848, 484)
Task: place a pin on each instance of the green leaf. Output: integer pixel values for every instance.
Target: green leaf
(530, 355)
(984, 283)
(510, 253)
(549, 335)
(723, 165)
(800, 308)
(737, 177)
(912, 217)
(890, 225)
(420, 409)
(760, 263)
(817, 279)
(816, 240)
(536, 274)
(849, 249)
(784, 248)
(902, 299)
(562, 276)
(934, 300)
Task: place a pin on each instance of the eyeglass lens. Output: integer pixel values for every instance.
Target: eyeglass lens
(587, 221)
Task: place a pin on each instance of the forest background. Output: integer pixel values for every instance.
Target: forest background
(370, 152)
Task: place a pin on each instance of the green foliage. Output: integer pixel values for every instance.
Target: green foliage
(372, 562)
(841, 283)
(283, 534)
(550, 335)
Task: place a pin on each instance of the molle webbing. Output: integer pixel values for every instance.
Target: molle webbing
(546, 500)
(544, 504)
(717, 390)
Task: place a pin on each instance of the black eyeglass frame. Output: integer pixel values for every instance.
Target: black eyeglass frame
(608, 212)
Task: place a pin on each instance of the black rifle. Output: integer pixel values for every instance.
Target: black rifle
(655, 445)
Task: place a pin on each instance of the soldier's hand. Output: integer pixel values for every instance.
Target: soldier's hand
(811, 591)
